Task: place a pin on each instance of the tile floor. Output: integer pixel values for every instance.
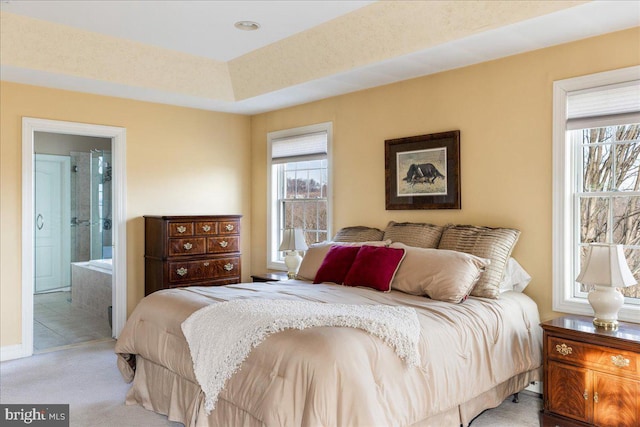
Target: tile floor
(57, 323)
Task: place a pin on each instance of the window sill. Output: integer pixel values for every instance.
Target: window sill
(628, 313)
(276, 265)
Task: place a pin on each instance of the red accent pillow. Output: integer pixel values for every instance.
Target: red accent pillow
(374, 267)
(336, 264)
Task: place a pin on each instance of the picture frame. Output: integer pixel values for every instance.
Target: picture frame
(423, 171)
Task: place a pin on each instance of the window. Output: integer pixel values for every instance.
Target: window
(299, 186)
(596, 161)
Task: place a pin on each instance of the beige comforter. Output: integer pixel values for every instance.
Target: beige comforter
(331, 376)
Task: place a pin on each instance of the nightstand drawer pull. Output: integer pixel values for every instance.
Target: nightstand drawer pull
(229, 227)
(187, 246)
(595, 397)
(564, 349)
(181, 228)
(206, 228)
(228, 267)
(620, 361)
(224, 244)
(585, 395)
(182, 271)
(206, 264)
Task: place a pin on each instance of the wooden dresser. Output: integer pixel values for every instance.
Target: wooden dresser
(191, 250)
(591, 376)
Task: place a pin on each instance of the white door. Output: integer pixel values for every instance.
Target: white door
(52, 222)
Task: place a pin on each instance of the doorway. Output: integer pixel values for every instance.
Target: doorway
(73, 240)
(106, 251)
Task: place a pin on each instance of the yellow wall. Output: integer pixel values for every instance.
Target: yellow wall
(187, 161)
(178, 161)
(503, 110)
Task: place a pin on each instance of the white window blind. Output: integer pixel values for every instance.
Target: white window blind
(300, 147)
(604, 106)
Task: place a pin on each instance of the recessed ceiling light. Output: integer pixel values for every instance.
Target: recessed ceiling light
(247, 25)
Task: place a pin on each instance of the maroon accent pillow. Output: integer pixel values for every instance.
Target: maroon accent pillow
(336, 264)
(374, 267)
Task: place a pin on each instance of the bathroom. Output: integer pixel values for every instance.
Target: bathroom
(73, 240)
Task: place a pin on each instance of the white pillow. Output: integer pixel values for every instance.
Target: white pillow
(515, 277)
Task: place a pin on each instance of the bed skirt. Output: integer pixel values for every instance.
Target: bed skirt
(160, 390)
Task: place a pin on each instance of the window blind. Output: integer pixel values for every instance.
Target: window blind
(300, 147)
(604, 106)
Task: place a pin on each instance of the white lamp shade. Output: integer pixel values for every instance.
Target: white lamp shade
(293, 240)
(606, 265)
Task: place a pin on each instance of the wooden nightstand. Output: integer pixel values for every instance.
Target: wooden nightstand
(269, 277)
(591, 376)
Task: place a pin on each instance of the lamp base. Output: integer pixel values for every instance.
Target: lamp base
(292, 261)
(607, 325)
(606, 302)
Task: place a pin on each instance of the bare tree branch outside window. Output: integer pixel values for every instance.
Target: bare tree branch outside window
(609, 200)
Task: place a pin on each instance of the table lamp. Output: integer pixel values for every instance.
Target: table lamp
(606, 267)
(292, 242)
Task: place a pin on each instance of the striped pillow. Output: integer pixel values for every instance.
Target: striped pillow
(416, 234)
(495, 244)
(358, 234)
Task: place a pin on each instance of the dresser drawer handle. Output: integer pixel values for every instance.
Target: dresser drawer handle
(228, 267)
(585, 395)
(206, 228)
(182, 271)
(229, 227)
(224, 244)
(181, 228)
(564, 349)
(187, 246)
(595, 397)
(620, 361)
(206, 264)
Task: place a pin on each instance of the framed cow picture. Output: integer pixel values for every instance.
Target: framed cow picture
(423, 172)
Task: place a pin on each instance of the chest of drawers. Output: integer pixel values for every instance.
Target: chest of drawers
(191, 250)
(591, 376)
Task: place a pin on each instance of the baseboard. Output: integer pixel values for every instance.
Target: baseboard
(10, 352)
(535, 387)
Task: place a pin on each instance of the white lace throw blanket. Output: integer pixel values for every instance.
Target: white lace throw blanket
(221, 335)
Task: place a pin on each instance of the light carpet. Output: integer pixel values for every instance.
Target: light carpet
(86, 377)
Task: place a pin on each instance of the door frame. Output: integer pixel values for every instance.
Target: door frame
(119, 275)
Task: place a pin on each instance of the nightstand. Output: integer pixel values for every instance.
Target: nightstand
(269, 277)
(591, 376)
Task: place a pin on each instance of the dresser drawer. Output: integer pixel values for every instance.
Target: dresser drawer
(188, 271)
(191, 271)
(229, 227)
(216, 245)
(205, 228)
(188, 246)
(226, 267)
(595, 357)
(178, 229)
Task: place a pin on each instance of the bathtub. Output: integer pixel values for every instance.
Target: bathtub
(105, 264)
(91, 286)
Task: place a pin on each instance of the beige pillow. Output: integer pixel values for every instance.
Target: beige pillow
(495, 244)
(315, 255)
(358, 234)
(440, 274)
(416, 234)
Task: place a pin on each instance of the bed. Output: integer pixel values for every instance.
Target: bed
(474, 351)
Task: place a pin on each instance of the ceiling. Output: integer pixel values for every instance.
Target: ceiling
(189, 53)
